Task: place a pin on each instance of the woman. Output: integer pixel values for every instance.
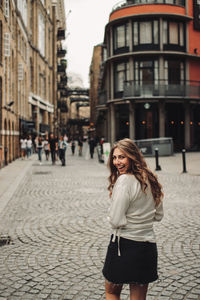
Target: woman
(136, 203)
(46, 148)
(73, 145)
(39, 149)
(23, 143)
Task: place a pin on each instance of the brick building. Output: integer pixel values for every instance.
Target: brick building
(150, 86)
(29, 38)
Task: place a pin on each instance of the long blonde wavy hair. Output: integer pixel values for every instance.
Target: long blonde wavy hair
(138, 168)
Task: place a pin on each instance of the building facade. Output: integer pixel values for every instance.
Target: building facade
(29, 40)
(94, 80)
(150, 85)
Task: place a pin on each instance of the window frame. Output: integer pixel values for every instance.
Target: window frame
(145, 46)
(170, 2)
(137, 70)
(118, 93)
(125, 48)
(196, 14)
(182, 71)
(171, 46)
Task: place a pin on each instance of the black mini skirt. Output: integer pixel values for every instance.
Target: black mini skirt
(137, 263)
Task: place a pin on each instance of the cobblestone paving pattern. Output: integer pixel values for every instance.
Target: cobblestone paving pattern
(59, 234)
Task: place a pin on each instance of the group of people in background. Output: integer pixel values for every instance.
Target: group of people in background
(54, 147)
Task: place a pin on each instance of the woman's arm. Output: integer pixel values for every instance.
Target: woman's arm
(159, 212)
(121, 197)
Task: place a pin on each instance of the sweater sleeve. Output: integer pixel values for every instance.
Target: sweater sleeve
(120, 202)
(159, 212)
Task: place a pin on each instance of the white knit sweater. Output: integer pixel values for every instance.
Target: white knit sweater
(132, 212)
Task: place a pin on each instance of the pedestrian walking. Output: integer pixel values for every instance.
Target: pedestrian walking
(92, 145)
(23, 142)
(53, 148)
(35, 141)
(39, 149)
(29, 146)
(56, 151)
(65, 138)
(46, 148)
(62, 146)
(136, 202)
(80, 146)
(73, 146)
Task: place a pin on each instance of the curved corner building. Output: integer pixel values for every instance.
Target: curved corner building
(150, 83)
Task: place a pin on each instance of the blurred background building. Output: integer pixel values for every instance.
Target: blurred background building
(149, 66)
(32, 71)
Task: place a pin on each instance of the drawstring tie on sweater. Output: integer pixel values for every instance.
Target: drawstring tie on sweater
(117, 234)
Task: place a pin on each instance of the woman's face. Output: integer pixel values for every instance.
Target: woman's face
(120, 161)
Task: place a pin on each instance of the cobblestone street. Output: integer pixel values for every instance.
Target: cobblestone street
(56, 222)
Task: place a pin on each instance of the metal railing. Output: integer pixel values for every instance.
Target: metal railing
(125, 3)
(188, 89)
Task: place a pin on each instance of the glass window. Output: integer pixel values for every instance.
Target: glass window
(121, 75)
(146, 72)
(135, 33)
(6, 44)
(174, 71)
(165, 30)
(22, 6)
(173, 2)
(121, 36)
(181, 27)
(173, 33)
(156, 72)
(6, 8)
(155, 32)
(146, 32)
(41, 33)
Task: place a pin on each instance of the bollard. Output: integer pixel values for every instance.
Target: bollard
(184, 161)
(158, 168)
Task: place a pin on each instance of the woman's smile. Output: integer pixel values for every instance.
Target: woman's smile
(120, 161)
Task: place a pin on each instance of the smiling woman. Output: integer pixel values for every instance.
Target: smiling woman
(120, 161)
(136, 203)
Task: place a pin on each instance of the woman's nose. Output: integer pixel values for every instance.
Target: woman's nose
(117, 160)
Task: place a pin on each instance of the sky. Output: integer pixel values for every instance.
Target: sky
(85, 25)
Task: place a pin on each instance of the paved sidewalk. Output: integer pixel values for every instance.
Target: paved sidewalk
(14, 173)
(10, 178)
(55, 218)
(174, 164)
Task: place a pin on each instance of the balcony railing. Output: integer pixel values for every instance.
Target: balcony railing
(60, 34)
(61, 69)
(186, 89)
(61, 52)
(125, 3)
(63, 79)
